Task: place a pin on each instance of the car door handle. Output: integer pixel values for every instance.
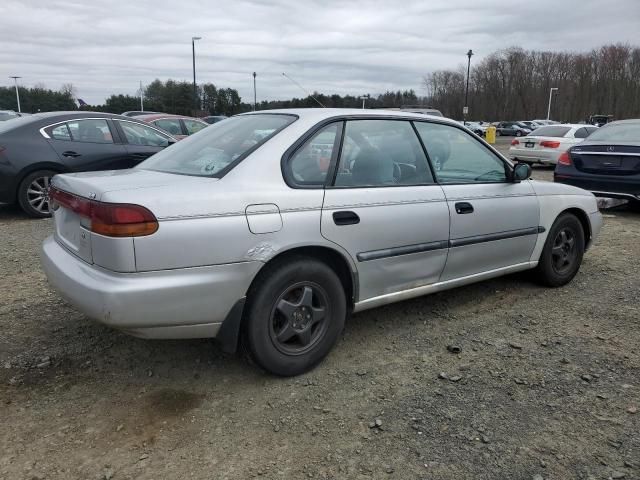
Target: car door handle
(346, 218)
(69, 153)
(463, 208)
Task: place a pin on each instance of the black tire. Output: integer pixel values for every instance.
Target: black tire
(294, 342)
(562, 253)
(28, 200)
(498, 133)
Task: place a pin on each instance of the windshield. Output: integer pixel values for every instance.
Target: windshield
(216, 149)
(621, 132)
(550, 131)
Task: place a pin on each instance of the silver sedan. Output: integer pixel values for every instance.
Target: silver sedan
(272, 227)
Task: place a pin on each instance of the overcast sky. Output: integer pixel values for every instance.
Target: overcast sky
(332, 46)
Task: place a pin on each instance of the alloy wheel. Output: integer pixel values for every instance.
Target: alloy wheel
(564, 252)
(38, 194)
(299, 318)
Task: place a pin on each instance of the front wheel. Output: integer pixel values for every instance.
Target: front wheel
(33, 193)
(294, 316)
(562, 253)
(518, 133)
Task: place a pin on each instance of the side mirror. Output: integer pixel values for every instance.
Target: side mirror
(170, 141)
(521, 171)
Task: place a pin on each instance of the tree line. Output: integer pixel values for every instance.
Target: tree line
(514, 84)
(511, 84)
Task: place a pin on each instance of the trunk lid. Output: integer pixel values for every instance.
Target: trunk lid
(73, 231)
(607, 159)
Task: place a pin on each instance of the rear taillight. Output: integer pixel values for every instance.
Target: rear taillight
(109, 219)
(564, 159)
(515, 142)
(549, 144)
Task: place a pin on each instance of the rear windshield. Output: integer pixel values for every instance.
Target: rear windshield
(622, 132)
(550, 131)
(216, 149)
(15, 122)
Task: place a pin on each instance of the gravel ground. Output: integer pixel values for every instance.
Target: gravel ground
(546, 385)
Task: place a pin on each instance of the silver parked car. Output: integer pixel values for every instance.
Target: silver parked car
(272, 226)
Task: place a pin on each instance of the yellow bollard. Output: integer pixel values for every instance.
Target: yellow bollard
(491, 135)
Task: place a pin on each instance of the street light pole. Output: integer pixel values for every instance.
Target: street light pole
(466, 93)
(364, 98)
(255, 101)
(195, 91)
(551, 90)
(15, 79)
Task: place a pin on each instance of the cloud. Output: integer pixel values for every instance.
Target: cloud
(330, 46)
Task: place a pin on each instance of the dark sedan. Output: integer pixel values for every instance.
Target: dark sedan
(512, 129)
(607, 163)
(36, 147)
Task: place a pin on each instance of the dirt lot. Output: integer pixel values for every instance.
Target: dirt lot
(546, 385)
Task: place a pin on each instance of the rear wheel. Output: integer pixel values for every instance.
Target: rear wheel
(294, 316)
(562, 253)
(33, 193)
(518, 133)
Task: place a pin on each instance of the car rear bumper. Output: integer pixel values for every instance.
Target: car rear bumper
(531, 155)
(603, 185)
(179, 303)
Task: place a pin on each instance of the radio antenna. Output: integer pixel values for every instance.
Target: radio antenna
(303, 89)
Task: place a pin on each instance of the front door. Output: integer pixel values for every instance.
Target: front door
(142, 141)
(494, 221)
(385, 209)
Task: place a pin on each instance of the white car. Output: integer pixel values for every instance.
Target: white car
(546, 144)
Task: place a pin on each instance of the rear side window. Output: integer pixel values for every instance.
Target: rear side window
(309, 165)
(550, 131)
(85, 130)
(61, 132)
(378, 153)
(218, 148)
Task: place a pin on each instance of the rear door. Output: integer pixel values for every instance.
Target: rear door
(494, 222)
(142, 141)
(87, 144)
(384, 208)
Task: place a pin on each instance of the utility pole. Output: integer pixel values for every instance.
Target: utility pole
(465, 110)
(141, 100)
(195, 90)
(255, 101)
(551, 90)
(15, 79)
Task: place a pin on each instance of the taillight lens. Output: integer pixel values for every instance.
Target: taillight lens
(515, 142)
(564, 159)
(109, 219)
(549, 144)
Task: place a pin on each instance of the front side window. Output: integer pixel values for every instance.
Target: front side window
(309, 165)
(458, 157)
(171, 125)
(377, 153)
(193, 126)
(137, 134)
(90, 131)
(219, 147)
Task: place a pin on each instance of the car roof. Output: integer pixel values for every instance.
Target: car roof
(320, 114)
(158, 116)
